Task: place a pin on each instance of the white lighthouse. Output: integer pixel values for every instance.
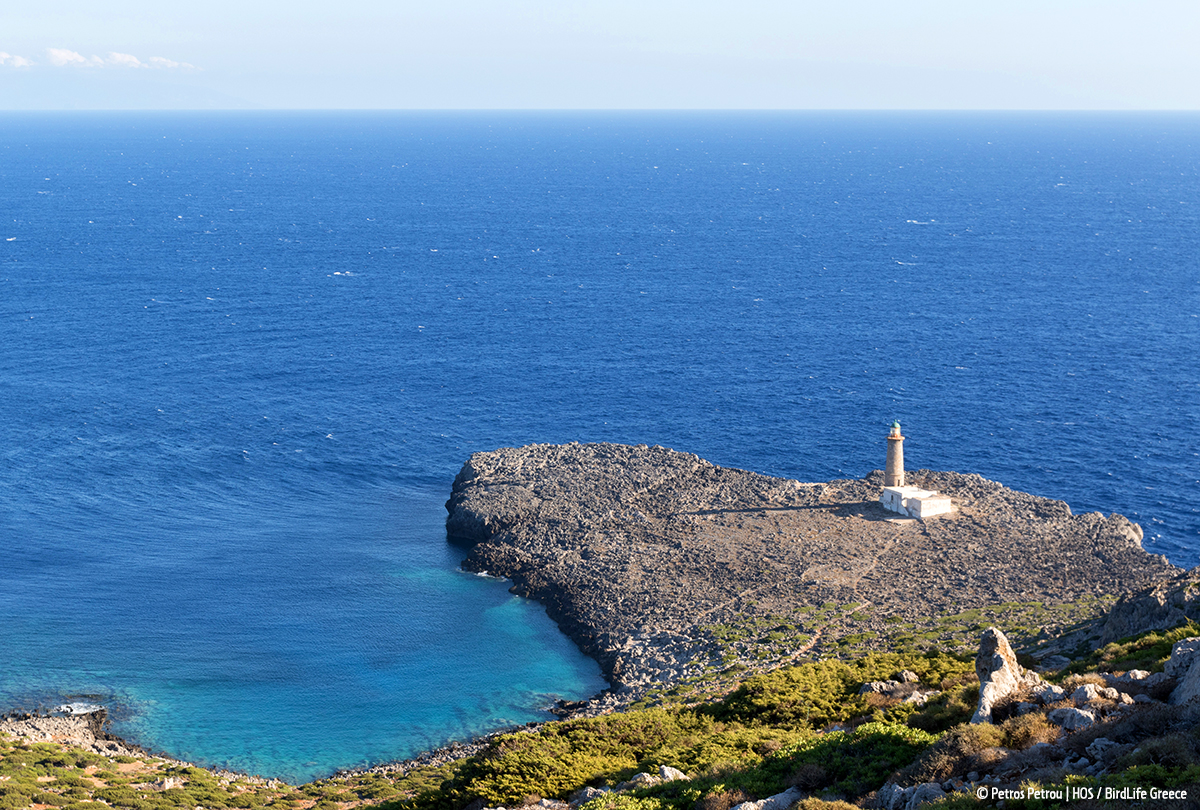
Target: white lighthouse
(908, 501)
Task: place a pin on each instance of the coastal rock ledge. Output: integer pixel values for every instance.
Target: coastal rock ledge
(646, 556)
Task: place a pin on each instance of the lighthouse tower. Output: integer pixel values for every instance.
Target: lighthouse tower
(893, 474)
(908, 501)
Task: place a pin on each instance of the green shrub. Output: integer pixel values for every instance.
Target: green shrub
(624, 801)
(119, 796)
(855, 762)
(714, 747)
(1172, 751)
(817, 694)
(564, 757)
(246, 800)
(954, 753)
(1154, 775)
(379, 791)
(13, 797)
(943, 712)
(1148, 651)
(177, 797)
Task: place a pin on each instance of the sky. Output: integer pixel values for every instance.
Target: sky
(599, 54)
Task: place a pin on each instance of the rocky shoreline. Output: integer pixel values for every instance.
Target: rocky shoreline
(86, 731)
(647, 557)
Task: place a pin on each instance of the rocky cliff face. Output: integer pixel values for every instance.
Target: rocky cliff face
(640, 552)
(1161, 605)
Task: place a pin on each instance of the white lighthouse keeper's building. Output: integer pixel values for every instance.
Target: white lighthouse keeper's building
(909, 501)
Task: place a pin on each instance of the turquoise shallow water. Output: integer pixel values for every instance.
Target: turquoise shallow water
(245, 355)
(351, 640)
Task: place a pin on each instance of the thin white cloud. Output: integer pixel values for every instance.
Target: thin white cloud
(124, 60)
(11, 60)
(160, 62)
(61, 57)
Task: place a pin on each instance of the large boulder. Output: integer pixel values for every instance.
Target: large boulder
(924, 794)
(1088, 692)
(1184, 653)
(1000, 676)
(1071, 719)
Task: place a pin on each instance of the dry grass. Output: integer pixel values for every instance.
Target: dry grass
(878, 700)
(1073, 682)
(723, 800)
(813, 803)
(1028, 730)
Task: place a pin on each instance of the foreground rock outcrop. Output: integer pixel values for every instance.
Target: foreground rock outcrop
(86, 731)
(642, 553)
(1000, 676)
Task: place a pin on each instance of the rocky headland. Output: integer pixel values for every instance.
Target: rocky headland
(664, 567)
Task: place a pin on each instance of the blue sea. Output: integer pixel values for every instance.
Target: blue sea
(244, 355)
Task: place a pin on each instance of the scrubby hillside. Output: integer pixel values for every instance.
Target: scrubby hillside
(883, 730)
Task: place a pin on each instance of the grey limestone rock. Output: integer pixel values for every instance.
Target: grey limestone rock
(1089, 691)
(640, 780)
(1053, 663)
(1156, 679)
(890, 796)
(585, 795)
(1166, 603)
(670, 774)
(999, 674)
(1188, 689)
(780, 801)
(1183, 655)
(921, 696)
(878, 687)
(1071, 719)
(924, 794)
(1049, 693)
(1099, 746)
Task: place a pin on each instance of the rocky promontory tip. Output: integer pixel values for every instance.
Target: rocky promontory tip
(646, 556)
